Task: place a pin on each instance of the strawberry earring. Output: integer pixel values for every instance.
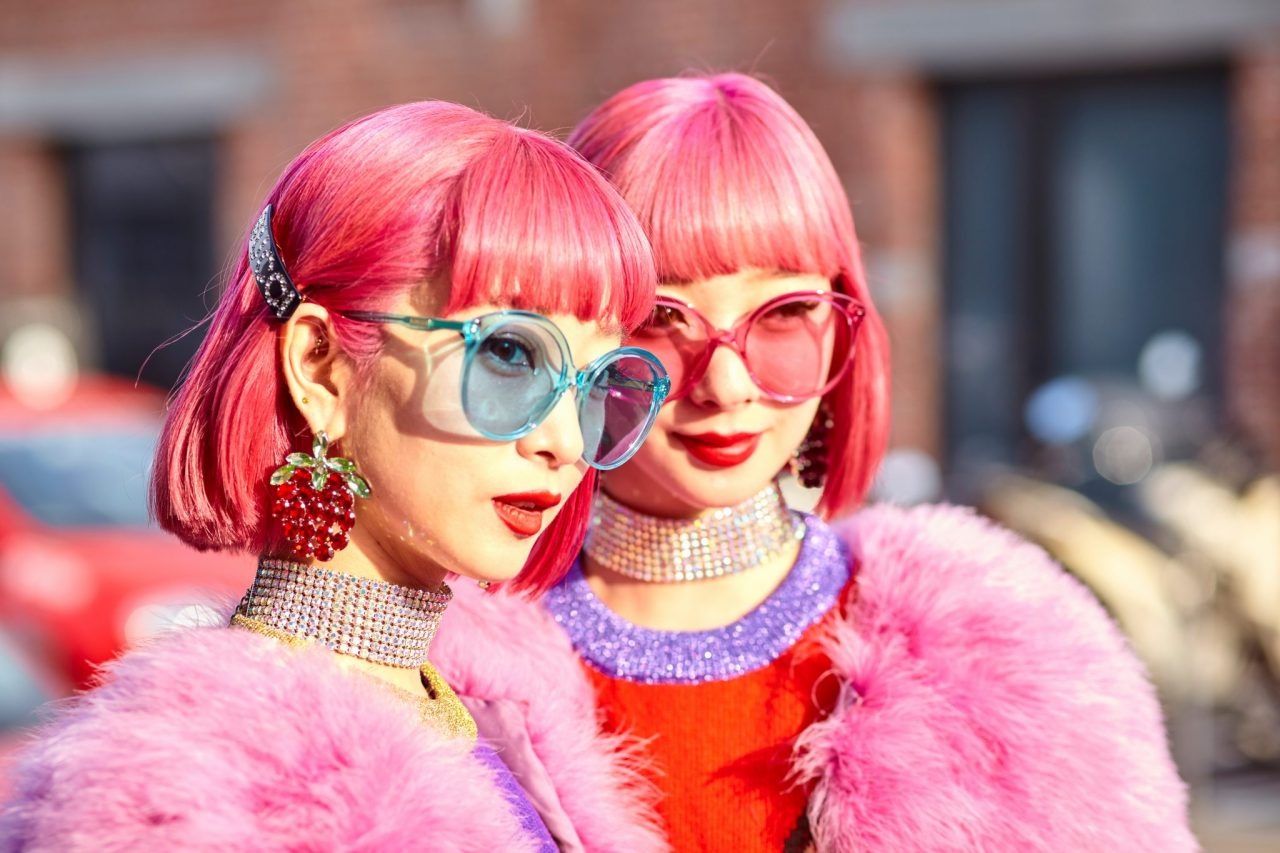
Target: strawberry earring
(314, 501)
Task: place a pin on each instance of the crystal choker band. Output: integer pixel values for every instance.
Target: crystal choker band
(726, 541)
(373, 620)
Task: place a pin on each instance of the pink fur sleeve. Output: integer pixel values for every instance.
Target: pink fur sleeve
(988, 703)
(217, 739)
(503, 648)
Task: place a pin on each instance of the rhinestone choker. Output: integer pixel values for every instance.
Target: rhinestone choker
(726, 541)
(372, 620)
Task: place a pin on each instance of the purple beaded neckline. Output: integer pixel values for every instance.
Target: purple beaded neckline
(620, 649)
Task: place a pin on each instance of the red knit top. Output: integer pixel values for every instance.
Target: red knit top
(720, 750)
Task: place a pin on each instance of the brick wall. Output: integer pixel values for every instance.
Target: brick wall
(547, 62)
(1253, 265)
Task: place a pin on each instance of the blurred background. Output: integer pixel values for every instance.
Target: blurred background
(1070, 212)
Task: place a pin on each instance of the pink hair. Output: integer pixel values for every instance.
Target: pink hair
(422, 192)
(724, 175)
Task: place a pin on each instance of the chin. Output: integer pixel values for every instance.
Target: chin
(701, 488)
(721, 491)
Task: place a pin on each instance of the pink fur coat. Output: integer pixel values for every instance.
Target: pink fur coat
(987, 702)
(219, 739)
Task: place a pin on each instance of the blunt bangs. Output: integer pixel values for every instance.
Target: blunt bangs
(734, 180)
(532, 226)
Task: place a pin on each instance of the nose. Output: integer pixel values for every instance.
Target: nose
(726, 383)
(558, 439)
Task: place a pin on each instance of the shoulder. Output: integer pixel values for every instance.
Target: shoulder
(515, 667)
(988, 701)
(921, 567)
(220, 738)
(503, 645)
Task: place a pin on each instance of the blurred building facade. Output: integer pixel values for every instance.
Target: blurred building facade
(137, 138)
(1069, 210)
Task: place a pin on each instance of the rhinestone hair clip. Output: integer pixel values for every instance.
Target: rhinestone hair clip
(273, 279)
(727, 541)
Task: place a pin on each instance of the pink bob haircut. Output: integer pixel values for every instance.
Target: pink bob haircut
(724, 176)
(422, 194)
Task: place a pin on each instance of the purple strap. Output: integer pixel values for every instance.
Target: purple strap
(532, 825)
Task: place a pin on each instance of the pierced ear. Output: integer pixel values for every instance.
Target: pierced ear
(315, 370)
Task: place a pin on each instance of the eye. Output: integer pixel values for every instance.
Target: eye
(665, 319)
(795, 311)
(509, 353)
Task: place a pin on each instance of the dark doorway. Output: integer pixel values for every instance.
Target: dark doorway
(143, 220)
(1084, 232)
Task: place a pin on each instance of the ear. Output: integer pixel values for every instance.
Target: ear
(317, 371)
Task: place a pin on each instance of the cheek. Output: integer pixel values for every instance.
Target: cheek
(794, 422)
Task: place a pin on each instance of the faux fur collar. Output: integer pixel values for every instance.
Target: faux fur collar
(220, 739)
(515, 668)
(988, 703)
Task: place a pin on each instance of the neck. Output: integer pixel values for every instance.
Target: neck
(690, 574)
(367, 557)
(723, 541)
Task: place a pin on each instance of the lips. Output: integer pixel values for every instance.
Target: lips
(522, 511)
(720, 450)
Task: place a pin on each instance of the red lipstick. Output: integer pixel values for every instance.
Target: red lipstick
(522, 511)
(718, 449)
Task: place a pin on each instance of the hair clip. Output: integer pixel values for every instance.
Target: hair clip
(273, 279)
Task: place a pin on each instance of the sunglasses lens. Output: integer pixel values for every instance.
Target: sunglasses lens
(509, 383)
(798, 347)
(618, 408)
(677, 339)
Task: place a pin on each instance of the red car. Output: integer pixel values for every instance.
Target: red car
(83, 573)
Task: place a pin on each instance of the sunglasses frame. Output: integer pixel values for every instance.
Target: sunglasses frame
(735, 338)
(582, 380)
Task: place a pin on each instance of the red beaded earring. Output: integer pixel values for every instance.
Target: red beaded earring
(314, 500)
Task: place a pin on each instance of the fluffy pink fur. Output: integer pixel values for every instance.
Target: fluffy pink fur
(210, 739)
(988, 703)
(499, 647)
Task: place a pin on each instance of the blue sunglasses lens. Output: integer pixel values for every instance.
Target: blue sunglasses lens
(516, 370)
(512, 376)
(618, 406)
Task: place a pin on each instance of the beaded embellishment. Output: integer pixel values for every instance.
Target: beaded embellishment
(274, 283)
(372, 620)
(727, 541)
(624, 650)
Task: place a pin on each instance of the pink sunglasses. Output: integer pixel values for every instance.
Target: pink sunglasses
(795, 346)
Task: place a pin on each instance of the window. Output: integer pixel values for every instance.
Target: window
(143, 238)
(1084, 253)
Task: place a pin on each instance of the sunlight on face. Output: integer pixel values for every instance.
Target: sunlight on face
(724, 440)
(443, 493)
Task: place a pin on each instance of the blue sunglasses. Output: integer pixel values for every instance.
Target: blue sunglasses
(517, 366)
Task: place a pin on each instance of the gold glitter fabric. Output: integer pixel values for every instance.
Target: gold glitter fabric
(726, 541)
(440, 708)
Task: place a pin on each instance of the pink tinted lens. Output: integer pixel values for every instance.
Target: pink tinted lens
(799, 346)
(679, 340)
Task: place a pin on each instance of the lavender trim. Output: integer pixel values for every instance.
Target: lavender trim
(620, 649)
(531, 823)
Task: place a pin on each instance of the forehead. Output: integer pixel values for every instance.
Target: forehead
(587, 339)
(428, 300)
(725, 298)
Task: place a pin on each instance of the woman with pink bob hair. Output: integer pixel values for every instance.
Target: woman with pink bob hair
(899, 679)
(411, 378)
